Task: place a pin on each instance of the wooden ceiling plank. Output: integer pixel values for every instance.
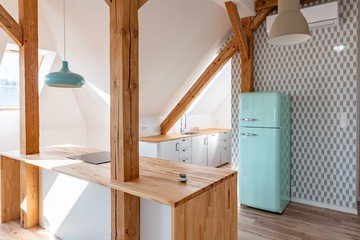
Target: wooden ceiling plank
(204, 79)
(264, 4)
(260, 18)
(237, 28)
(10, 26)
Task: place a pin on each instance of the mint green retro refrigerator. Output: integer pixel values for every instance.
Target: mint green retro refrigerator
(264, 151)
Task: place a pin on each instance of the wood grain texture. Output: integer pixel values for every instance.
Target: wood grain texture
(126, 216)
(169, 137)
(264, 4)
(29, 195)
(260, 18)
(298, 222)
(124, 119)
(10, 189)
(239, 33)
(158, 179)
(247, 65)
(124, 90)
(13, 231)
(214, 67)
(211, 215)
(10, 26)
(29, 98)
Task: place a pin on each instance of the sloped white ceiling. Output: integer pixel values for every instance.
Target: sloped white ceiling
(177, 40)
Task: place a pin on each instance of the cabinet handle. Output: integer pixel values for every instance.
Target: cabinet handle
(177, 146)
(248, 134)
(205, 141)
(248, 119)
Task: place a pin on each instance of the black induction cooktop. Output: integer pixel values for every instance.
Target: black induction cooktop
(93, 158)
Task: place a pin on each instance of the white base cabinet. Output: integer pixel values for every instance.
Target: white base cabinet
(211, 150)
(199, 150)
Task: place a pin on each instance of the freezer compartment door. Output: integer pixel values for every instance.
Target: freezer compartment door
(260, 109)
(259, 168)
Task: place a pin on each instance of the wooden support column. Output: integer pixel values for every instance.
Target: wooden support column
(247, 65)
(29, 112)
(29, 98)
(124, 44)
(10, 189)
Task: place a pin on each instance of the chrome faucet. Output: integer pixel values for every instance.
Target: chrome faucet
(181, 123)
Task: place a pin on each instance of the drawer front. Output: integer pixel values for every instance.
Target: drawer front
(185, 142)
(225, 155)
(185, 152)
(186, 160)
(225, 142)
(224, 135)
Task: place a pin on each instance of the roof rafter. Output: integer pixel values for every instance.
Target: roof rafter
(226, 53)
(140, 2)
(237, 28)
(11, 27)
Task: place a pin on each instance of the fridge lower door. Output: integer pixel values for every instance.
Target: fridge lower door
(260, 168)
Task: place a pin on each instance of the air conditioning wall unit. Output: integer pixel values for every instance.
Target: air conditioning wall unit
(324, 15)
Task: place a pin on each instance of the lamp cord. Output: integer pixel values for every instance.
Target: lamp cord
(64, 31)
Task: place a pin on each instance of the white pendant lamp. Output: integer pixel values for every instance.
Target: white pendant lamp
(64, 78)
(290, 26)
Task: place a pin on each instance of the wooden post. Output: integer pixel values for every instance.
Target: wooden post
(29, 112)
(247, 64)
(29, 98)
(124, 44)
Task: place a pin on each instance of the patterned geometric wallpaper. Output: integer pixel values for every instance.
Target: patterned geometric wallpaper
(322, 84)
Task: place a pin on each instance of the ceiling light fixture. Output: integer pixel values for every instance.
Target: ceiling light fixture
(64, 78)
(290, 26)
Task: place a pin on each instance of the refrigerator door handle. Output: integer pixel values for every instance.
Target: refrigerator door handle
(248, 134)
(248, 119)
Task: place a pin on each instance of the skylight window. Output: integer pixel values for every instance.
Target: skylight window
(10, 75)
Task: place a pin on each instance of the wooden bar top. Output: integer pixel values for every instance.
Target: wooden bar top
(158, 179)
(175, 136)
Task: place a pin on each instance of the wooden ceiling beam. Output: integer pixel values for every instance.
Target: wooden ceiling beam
(226, 53)
(237, 28)
(247, 65)
(259, 18)
(11, 27)
(265, 4)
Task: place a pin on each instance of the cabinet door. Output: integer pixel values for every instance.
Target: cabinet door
(213, 150)
(170, 150)
(199, 150)
(225, 155)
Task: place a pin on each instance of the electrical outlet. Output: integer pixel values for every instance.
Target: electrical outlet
(144, 128)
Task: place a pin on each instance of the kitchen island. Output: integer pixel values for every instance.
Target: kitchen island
(205, 207)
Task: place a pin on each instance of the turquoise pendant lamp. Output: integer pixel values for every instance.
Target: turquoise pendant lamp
(64, 78)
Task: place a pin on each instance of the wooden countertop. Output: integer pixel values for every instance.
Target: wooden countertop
(158, 179)
(169, 137)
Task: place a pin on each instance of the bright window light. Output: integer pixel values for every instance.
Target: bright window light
(10, 75)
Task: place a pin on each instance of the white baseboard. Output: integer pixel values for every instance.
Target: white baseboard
(324, 205)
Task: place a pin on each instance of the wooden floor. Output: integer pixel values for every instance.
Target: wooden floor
(297, 222)
(13, 231)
